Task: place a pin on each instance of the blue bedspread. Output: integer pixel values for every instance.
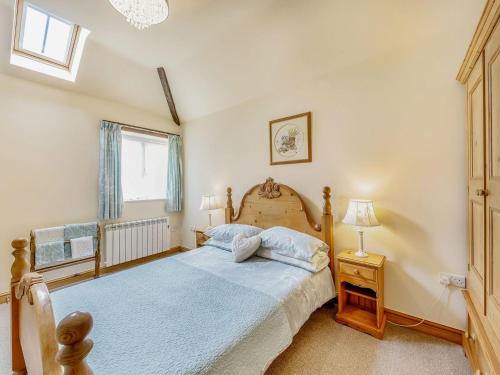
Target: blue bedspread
(169, 317)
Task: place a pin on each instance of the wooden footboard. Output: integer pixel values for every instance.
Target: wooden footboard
(35, 348)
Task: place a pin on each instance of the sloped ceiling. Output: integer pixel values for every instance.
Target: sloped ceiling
(219, 53)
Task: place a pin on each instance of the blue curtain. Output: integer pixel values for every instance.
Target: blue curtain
(174, 174)
(110, 172)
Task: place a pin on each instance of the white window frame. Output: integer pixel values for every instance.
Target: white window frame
(27, 59)
(19, 31)
(138, 136)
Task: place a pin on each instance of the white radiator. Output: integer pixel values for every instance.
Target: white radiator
(135, 239)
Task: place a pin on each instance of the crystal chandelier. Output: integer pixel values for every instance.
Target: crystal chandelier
(142, 13)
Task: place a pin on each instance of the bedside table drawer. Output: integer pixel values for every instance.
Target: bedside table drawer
(358, 271)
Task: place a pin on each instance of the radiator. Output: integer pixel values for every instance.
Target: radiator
(132, 240)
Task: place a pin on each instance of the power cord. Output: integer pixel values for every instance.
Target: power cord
(445, 287)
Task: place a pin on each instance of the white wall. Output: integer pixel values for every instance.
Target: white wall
(391, 129)
(387, 125)
(49, 153)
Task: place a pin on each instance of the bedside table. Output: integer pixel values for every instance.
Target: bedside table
(200, 237)
(361, 292)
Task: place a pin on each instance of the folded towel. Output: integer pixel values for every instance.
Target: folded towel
(49, 253)
(82, 247)
(77, 231)
(80, 230)
(49, 235)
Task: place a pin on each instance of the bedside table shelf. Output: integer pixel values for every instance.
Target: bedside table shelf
(361, 293)
(358, 318)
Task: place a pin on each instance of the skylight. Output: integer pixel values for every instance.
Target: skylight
(43, 38)
(46, 35)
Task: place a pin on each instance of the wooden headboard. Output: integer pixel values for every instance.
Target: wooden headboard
(273, 204)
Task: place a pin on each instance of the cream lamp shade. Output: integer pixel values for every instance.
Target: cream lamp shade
(360, 213)
(209, 203)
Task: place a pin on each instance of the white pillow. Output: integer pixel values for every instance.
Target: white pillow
(291, 243)
(219, 244)
(244, 247)
(226, 232)
(317, 263)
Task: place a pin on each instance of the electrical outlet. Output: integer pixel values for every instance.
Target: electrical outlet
(446, 278)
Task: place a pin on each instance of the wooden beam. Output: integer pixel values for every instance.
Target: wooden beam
(168, 94)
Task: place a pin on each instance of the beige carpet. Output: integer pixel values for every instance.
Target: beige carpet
(325, 347)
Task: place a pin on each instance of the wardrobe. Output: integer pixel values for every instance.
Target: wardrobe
(480, 73)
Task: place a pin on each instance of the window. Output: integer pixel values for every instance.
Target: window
(45, 35)
(46, 43)
(144, 166)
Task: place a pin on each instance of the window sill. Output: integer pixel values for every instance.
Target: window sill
(146, 200)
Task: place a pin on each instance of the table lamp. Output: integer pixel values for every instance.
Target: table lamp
(360, 213)
(209, 203)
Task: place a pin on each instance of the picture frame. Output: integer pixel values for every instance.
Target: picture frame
(290, 139)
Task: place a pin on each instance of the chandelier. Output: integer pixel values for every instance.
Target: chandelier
(142, 13)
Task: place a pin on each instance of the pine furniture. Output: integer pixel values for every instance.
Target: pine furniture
(480, 73)
(33, 328)
(200, 237)
(361, 292)
(270, 204)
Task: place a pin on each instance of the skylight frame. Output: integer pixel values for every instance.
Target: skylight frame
(21, 6)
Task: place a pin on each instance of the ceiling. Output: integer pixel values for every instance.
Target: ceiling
(220, 53)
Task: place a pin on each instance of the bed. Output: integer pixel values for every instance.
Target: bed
(193, 313)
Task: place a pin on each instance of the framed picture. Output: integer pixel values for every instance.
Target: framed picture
(290, 139)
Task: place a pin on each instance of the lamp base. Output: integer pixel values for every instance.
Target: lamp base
(209, 220)
(361, 253)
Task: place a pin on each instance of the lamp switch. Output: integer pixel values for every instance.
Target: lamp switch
(446, 278)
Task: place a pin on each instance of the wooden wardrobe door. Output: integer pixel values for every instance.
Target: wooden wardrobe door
(492, 85)
(476, 191)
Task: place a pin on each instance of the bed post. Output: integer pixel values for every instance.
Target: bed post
(32, 252)
(18, 269)
(31, 309)
(229, 206)
(327, 224)
(97, 271)
(71, 334)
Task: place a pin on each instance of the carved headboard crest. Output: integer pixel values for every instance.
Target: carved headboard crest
(269, 189)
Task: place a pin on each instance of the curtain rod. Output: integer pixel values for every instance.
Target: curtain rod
(141, 129)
